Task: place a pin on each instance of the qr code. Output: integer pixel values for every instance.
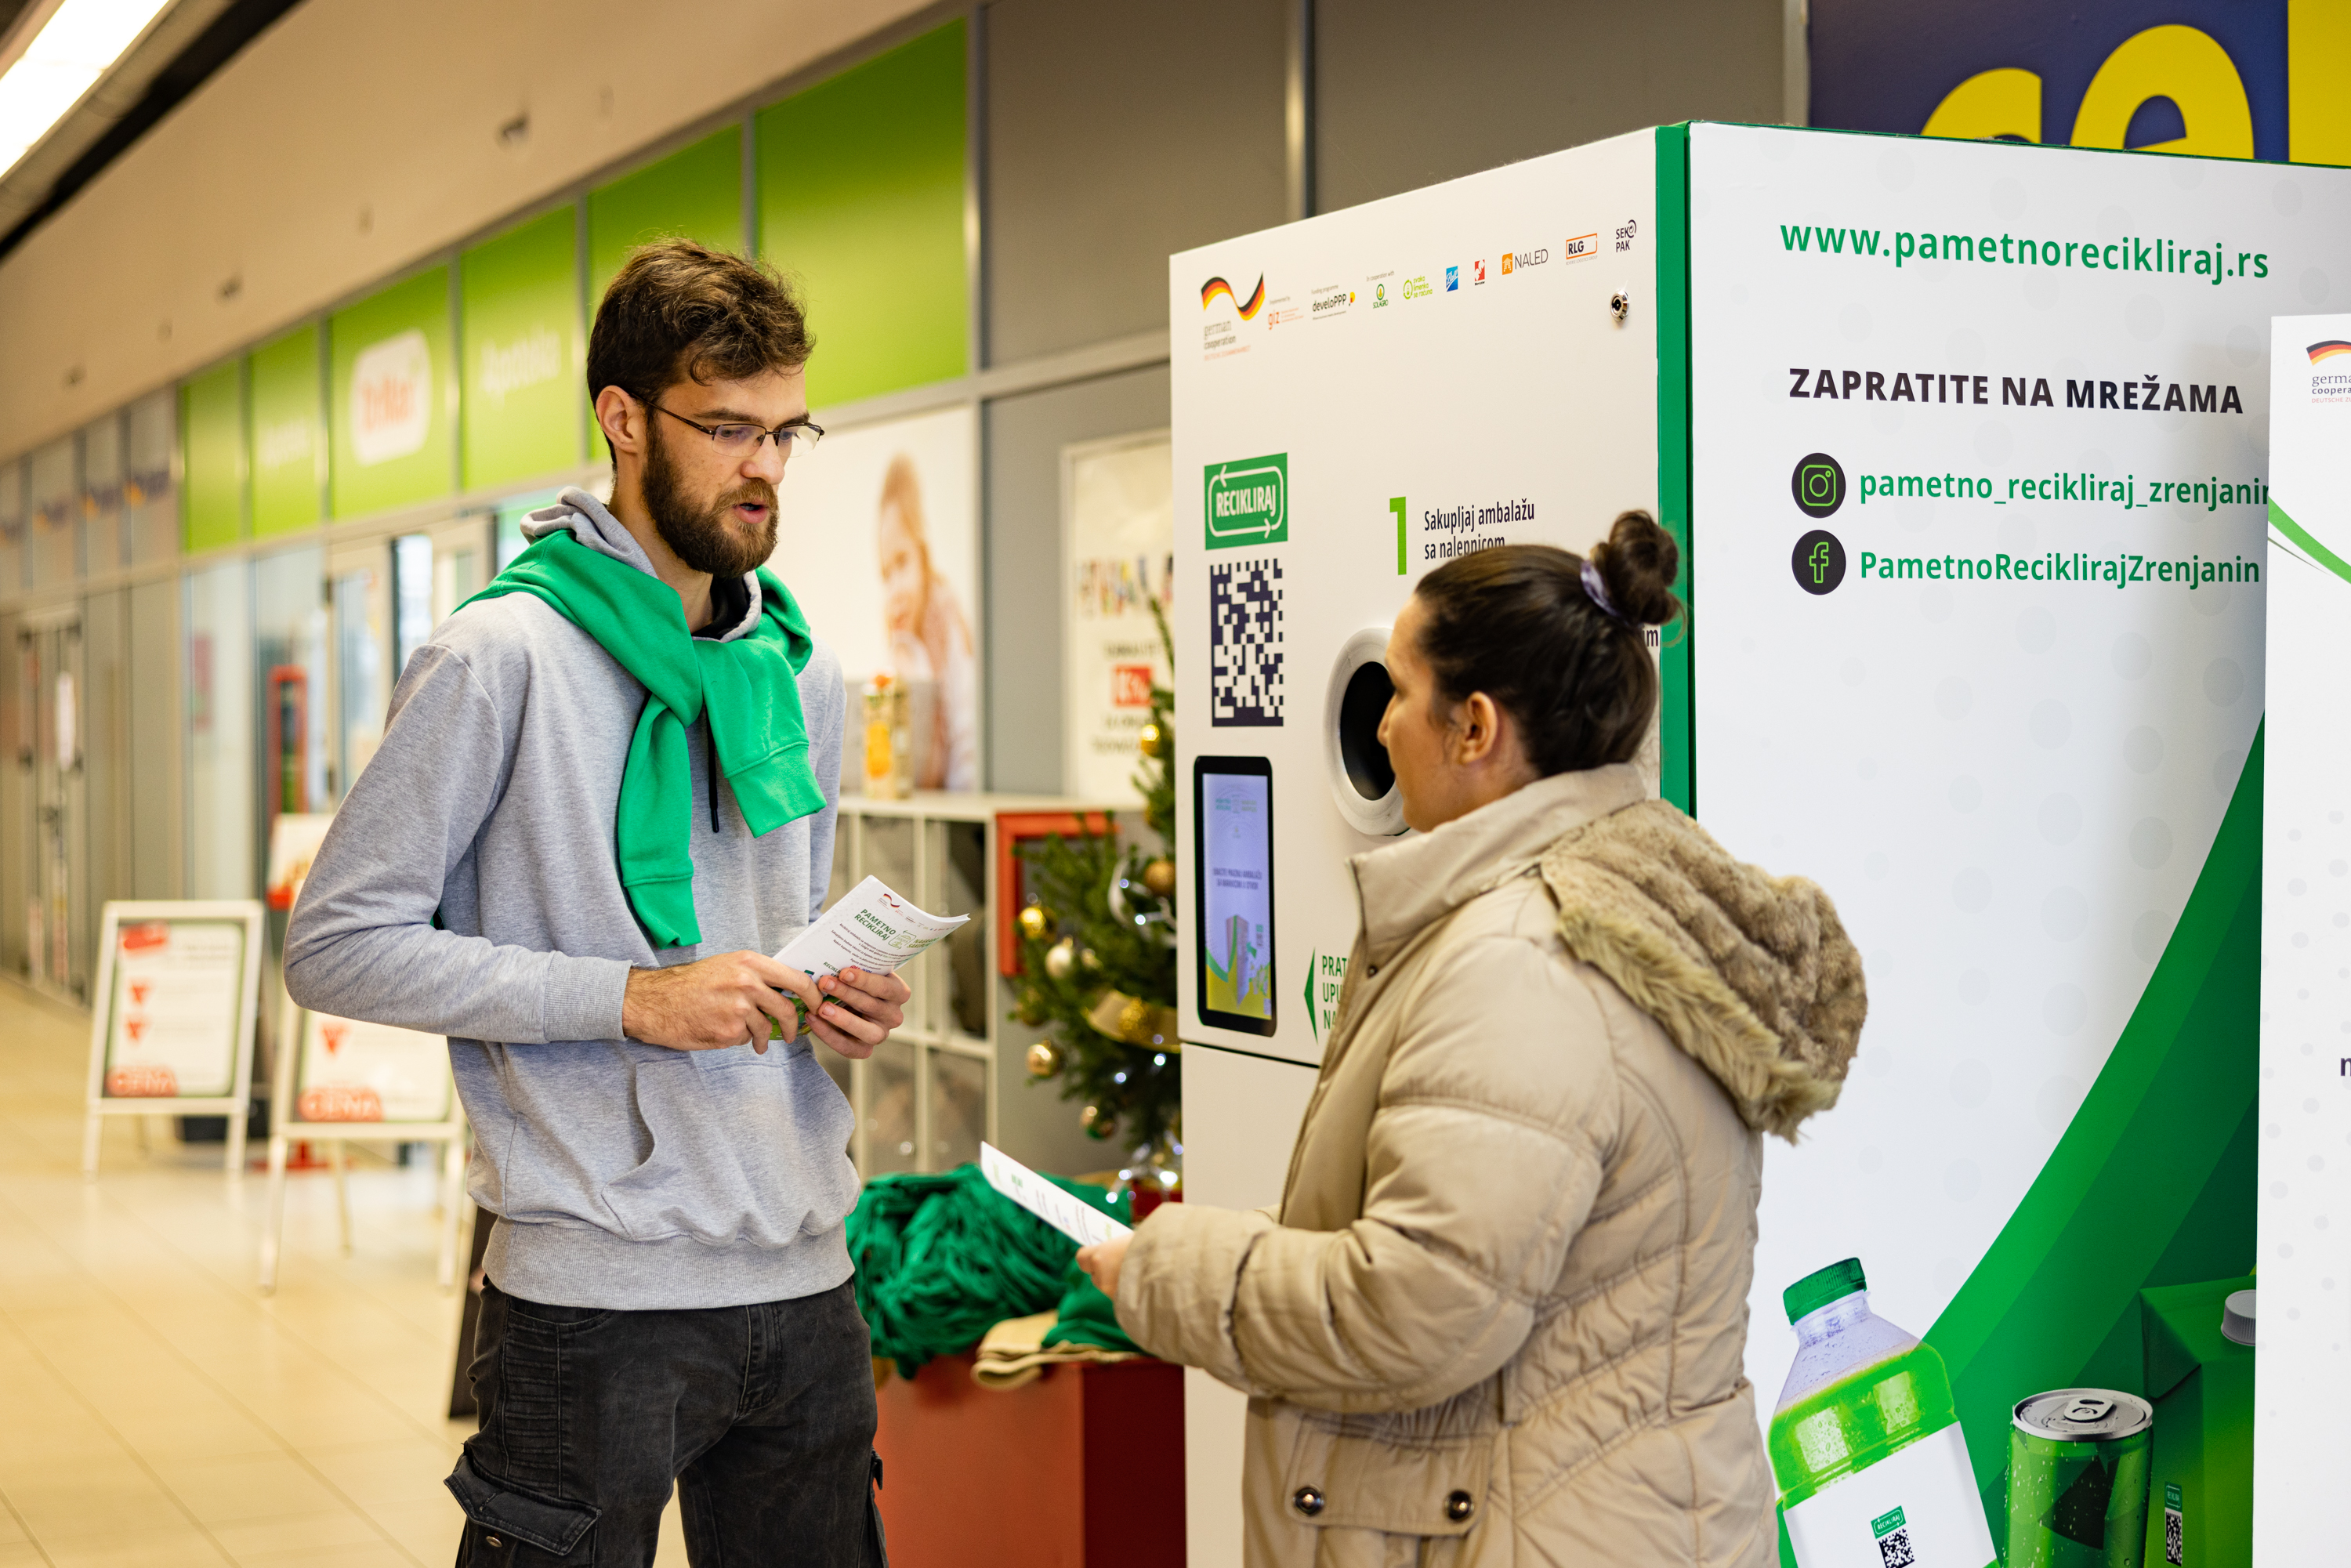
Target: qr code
(1895, 1549)
(2171, 1533)
(1245, 642)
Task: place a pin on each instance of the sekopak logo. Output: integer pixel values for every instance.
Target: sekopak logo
(1818, 484)
(1818, 561)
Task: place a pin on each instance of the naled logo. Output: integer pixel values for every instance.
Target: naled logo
(1818, 561)
(1818, 485)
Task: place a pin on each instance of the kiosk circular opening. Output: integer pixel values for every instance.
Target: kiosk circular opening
(1362, 782)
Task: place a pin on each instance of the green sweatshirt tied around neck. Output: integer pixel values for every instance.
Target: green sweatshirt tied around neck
(747, 689)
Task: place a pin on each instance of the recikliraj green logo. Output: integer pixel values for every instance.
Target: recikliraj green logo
(1248, 502)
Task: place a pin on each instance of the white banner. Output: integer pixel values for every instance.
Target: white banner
(1117, 539)
(2003, 732)
(2305, 1362)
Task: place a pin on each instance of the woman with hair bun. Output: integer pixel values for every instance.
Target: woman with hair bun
(1499, 1313)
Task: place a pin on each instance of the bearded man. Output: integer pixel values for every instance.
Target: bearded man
(606, 794)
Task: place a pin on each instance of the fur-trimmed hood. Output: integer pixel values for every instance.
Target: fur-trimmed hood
(1752, 974)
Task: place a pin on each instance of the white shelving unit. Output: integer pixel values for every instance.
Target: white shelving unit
(926, 1098)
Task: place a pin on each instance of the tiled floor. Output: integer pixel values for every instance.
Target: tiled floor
(155, 1409)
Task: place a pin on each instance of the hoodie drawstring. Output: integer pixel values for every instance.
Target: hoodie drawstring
(710, 738)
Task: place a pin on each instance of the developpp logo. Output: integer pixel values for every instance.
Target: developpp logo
(1246, 502)
(1818, 484)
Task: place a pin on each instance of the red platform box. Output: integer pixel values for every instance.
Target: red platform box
(1082, 1468)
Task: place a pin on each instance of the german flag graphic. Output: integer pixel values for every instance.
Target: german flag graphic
(1249, 308)
(2331, 349)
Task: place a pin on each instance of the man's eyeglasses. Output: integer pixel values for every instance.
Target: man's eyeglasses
(739, 441)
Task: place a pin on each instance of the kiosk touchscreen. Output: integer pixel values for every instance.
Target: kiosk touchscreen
(1232, 810)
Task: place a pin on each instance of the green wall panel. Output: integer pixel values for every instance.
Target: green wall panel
(520, 303)
(392, 379)
(861, 187)
(289, 446)
(212, 433)
(696, 192)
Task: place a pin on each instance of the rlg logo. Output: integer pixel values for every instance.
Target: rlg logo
(1818, 561)
(1818, 484)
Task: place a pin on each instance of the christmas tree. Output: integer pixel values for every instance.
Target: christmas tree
(1098, 959)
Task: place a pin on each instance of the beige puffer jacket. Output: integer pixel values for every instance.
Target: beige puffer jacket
(1500, 1319)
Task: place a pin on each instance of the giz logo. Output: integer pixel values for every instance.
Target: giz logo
(391, 405)
(1130, 686)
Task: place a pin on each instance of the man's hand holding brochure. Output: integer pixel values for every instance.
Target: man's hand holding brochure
(869, 928)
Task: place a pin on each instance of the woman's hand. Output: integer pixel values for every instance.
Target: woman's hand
(1101, 1262)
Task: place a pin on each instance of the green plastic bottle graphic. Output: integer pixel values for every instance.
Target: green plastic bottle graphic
(1872, 1466)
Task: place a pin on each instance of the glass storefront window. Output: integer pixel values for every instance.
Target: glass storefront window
(412, 616)
(457, 569)
(220, 677)
(101, 496)
(289, 644)
(509, 526)
(12, 527)
(362, 671)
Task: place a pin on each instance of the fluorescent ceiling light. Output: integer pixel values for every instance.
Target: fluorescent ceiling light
(75, 47)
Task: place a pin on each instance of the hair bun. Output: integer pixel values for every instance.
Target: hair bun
(1639, 562)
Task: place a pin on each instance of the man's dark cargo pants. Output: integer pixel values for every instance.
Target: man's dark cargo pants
(763, 1416)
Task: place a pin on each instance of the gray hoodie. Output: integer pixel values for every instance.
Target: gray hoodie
(623, 1175)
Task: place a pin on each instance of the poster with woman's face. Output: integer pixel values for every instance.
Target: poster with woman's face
(878, 539)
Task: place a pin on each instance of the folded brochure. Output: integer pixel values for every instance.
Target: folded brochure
(870, 929)
(1073, 1216)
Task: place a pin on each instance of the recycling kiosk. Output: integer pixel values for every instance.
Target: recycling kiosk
(1966, 443)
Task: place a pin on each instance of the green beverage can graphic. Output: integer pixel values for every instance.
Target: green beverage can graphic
(2077, 1479)
(1866, 1441)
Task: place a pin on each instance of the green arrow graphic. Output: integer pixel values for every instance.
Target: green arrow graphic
(1313, 1021)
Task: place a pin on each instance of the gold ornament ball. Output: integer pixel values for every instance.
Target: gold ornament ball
(1159, 876)
(1060, 958)
(1035, 923)
(1149, 740)
(1097, 1123)
(1044, 1059)
(1091, 959)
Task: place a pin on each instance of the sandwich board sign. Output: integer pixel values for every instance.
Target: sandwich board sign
(344, 1079)
(171, 1032)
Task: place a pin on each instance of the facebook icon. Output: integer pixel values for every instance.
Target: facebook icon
(1818, 561)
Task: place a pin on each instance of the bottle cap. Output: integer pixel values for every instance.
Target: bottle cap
(2237, 1317)
(1822, 1286)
